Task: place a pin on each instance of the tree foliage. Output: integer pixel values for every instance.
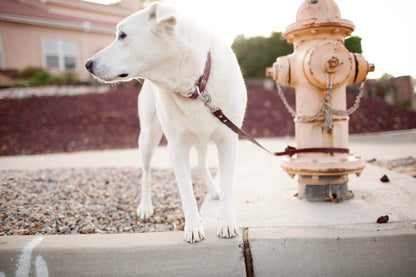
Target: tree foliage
(256, 53)
(353, 44)
(385, 76)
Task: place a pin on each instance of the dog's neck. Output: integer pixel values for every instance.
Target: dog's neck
(182, 71)
(181, 75)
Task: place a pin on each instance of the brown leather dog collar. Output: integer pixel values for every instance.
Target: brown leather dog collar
(202, 81)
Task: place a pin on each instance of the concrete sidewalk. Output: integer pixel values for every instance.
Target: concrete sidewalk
(378, 145)
(284, 236)
(292, 237)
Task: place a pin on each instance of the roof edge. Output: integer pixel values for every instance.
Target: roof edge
(85, 26)
(90, 6)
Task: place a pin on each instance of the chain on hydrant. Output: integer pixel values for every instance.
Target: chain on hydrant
(320, 69)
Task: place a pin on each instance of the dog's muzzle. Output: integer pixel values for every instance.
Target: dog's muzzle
(89, 66)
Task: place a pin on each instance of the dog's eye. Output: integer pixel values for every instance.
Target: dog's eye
(121, 35)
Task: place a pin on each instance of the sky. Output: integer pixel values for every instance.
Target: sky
(387, 28)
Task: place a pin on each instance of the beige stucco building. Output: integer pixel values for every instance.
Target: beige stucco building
(57, 35)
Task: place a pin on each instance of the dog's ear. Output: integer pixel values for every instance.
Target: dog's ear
(165, 16)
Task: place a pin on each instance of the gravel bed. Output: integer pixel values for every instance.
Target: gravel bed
(88, 201)
(405, 165)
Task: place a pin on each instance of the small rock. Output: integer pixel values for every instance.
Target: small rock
(88, 229)
(383, 219)
(385, 179)
(64, 230)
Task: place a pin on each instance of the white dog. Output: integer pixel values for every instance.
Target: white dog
(171, 53)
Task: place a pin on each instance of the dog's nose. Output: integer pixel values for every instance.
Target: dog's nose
(89, 66)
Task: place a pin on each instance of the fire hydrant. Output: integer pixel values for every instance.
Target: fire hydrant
(320, 69)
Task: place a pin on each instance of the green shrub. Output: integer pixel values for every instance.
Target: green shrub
(43, 78)
(407, 104)
(30, 71)
(38, 77)
(66, 79)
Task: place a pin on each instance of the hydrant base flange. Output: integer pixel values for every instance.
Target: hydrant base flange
(346, 164)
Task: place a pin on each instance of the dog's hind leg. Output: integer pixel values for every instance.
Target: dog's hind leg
(204, 171)
(150, 136)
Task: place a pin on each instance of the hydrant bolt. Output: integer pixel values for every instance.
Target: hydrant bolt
(331, 65)
(333, 62)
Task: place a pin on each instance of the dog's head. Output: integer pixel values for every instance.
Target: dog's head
(144, 40)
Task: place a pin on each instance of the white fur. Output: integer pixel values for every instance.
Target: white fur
(170, 52)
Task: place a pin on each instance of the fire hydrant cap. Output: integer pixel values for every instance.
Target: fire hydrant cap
(318, 13)
(309, 10)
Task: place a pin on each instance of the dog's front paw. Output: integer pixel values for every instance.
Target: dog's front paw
(194, 234)
(145, 210)
(227, 231)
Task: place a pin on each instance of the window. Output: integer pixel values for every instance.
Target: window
(51, 52)
(60, 54)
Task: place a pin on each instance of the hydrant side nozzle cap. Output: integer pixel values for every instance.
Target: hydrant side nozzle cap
(270, 71)
(371, 67)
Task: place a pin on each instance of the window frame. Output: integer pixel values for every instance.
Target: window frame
(60, 53)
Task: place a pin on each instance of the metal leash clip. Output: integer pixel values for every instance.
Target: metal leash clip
(207, 99)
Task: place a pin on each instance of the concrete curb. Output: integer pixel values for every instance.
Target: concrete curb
(319, 251)
(387, 250)
(146, 254)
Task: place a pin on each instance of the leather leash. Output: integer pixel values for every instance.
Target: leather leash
(217, 112)
(290, 151)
